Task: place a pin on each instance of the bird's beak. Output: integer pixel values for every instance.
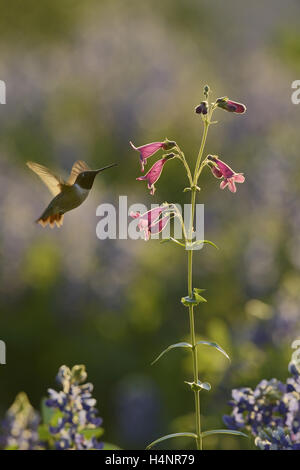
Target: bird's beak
(105, 168)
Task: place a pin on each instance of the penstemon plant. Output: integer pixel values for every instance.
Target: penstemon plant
(154, 221)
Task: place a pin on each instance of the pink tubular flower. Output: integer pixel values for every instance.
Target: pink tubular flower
(231, 106)
(221, 170)
(149, 222)
(148, 150)
(154, 173)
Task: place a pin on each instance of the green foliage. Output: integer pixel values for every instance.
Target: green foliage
(197, 387)
(169, 348)
(171, 436)
(213, 345)
(223, 431)
(195, 300)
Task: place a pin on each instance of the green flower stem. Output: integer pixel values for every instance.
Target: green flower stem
(192, 325)
(194, 352)
(181, 157)
(206, 126)
(197, 172)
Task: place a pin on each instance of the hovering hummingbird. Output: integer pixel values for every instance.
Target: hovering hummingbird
(67, 194)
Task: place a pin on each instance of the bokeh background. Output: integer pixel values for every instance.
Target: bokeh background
(84, 78)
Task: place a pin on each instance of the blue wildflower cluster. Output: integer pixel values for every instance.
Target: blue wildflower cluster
(275, 439)
(68, 420)
(19, 429)
(74, 423)
(271, 412)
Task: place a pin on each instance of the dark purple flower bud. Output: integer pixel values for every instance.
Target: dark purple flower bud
(202, 108)
(206, 91)
(231, 106)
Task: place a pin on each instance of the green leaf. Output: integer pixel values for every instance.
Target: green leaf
(199, 297)
(197, 387)
(174, 241)
(192, 246)
(195, 300)
(164, 240)
(172, 346)
(171, 239)
(47, 413)
(57, 415)
(199, 291)
(205, 385)
(89, 433)
(213, 345)
(223, 431)
(43, 432)
(109, 446)
(177, 242)
(171, 436)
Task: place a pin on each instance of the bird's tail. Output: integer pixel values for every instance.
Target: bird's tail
(51, 220)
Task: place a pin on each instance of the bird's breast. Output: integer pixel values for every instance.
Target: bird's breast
(80, 192)
(70, 198)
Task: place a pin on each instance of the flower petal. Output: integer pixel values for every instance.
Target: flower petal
(134, 215)
(154, 173)
(231, 185)
(216, 172)
(239, 178)
(223, 184)
(239, 108)
(152, 215)
(231, 106)
(147, 151)
(159, 225)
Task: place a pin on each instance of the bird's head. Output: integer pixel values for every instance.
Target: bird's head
(86, 178)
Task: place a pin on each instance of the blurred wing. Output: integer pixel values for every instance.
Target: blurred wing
(78, 167)
(52, 181)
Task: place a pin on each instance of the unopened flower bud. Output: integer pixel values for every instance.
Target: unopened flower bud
(168, 144)
(231, 106)
(202, 108)
(206, 91)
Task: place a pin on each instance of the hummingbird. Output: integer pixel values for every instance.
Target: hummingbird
(67, 194)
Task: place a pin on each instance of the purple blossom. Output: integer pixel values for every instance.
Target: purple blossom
(148, 150)
(271, 412)
(154, 173)
(20, 426)
(77, 412)
(275, 439)
(149, 222)
(221, 170)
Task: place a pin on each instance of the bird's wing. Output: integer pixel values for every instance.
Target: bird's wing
(78, 167)
(52, 181)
